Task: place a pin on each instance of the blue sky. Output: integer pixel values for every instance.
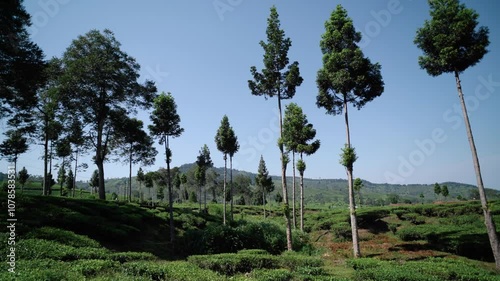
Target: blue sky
(201, 52)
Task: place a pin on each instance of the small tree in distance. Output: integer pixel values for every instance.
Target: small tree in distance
(23, 177)
(437, 189)
(444, 191)
(264, 182)
(227, 143)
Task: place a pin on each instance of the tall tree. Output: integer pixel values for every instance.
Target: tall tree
(99, 81)
(298, 136)
(278, 79)
(444, 191)
(166, 124)
(140, 179)
(358, 185)
(134, 145)
(23, 177)
(227, 143)
(264, 182)
(347, 76)
(14, 145)
(203, 162)
(437, 189)
(46, 109)
(94, 181)
(452, 42)
(63, 150)
(233, 147)
(77, 140)
(183, 182)
(149, 178)
(21, 62)
(61, 178)
(70, 181)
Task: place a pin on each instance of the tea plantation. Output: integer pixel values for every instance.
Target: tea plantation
(83, 239)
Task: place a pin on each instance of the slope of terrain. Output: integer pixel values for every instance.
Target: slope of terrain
(81, 239)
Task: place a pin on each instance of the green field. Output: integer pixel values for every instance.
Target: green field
(84, 239)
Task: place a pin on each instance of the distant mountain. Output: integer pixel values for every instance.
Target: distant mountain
(333, 190)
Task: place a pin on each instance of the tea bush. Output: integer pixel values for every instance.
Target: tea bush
(62, 236)
(432, 269)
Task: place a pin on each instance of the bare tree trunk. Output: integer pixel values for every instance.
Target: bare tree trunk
(199, 195)
(488, 219)
(74, 177)
(264, 201)
(49, 187)
(45, 162)
(130, 176)
(352, 206)
(283, 182)
(224, 195)
(231, 184)
(170, 199)
(301, 198)
(294, 217)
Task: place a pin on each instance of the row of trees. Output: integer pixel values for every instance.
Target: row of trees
(86, 98)
(451, 42)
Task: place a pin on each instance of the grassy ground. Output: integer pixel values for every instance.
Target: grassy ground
(85, 239)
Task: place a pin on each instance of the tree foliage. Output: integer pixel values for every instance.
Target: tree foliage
(347, 76)
(451, 40)
(99, 83)
(21, 62)
(23, 177)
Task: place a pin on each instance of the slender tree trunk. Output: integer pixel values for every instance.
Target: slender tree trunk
(199, 195)
(264, 200)
(170, 201)
(205, 195)
(224, 196)
(283, 182)
(488, 219)
(100, 168)
(294, 217)
(45, 161)
(231, 185)
(130, 176)
(301, 198)
(74, 177)
(352, 205)
(50, 169)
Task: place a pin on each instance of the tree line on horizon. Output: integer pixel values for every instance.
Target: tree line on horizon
(85, 101)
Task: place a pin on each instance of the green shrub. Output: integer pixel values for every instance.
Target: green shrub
(230, 264)
(41, 269)
(393, 227)
(271, 275)
(253, 252)
(421, 232)
(62, 236)
(432, 269)
(89, 268)
(413, 218)
(293, 261)
(342, 231)
(131, 256)
(30, 249)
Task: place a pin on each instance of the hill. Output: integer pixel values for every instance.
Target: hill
(322, 191)
(81, 239)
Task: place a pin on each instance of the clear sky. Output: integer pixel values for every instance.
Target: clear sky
(201, 51)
